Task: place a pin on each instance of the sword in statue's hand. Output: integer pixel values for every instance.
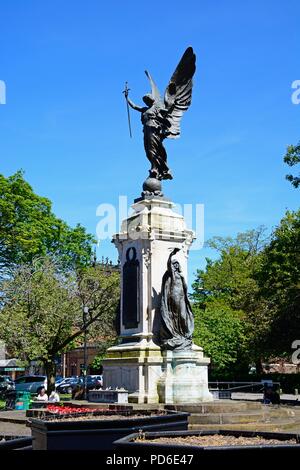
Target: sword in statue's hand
(126, 92)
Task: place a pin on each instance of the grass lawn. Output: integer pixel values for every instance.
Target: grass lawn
(65, 396)
(2, 404)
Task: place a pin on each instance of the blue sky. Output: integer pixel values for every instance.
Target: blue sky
(65, 63)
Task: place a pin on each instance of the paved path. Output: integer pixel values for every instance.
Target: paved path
(13, 429)
(13, 423)
(13, 416)
(259, 396)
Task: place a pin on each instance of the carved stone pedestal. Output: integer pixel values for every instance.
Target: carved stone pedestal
(144, 243)
(136, 367)
(184, 378)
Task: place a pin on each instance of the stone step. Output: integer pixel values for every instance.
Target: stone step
(264, 414)
(217, 407)
(284, 425)
(13, 416)
(226, 418)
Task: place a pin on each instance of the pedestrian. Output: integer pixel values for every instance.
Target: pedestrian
(42, 396)
(54, 397)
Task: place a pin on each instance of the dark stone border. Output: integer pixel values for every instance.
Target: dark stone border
(100, 435)
(128, 444)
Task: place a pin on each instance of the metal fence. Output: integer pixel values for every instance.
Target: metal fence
(247, 387)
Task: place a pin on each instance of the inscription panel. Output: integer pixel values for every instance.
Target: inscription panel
(130, 297)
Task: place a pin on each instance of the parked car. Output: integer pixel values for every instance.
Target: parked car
(30, 383)
(94, 381)
(6, 384)
(58, 380)
(67, 385)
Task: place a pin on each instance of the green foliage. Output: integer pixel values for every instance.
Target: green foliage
(219, 330)
(98, 288)
(46, 279)
(259, 281)
(97, 362)
(281, 262)
(227, 290)
(230, 277)
(37, 313)
(279, 281)
(292, 157)
(42, 308)
(102, 348)
(28, 228)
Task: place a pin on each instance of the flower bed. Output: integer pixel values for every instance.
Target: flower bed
(66, 413)
(97, 430)
(63, 410)
(213, 447)
(60, 410)
(217, 440)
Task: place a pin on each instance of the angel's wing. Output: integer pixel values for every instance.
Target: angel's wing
(154, 90)
(178, 94)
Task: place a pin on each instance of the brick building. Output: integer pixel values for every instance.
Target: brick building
(72, 362)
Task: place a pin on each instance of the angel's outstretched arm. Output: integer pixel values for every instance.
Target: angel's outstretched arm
(134, 106)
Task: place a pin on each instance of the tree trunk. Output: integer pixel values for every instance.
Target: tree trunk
(50, 368)
(259, 367)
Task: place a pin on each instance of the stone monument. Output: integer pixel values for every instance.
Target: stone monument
(156, 360)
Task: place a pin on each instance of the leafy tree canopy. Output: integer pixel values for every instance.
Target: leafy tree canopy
(42, 309)
(292, 157)
(28, 228)
(227, 289)
(230, 277)
(258, 279)
(219, 331)
(279, 282)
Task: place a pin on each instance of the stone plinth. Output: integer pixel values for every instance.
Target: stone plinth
(144, 243)
(136, 367)
(184, 378)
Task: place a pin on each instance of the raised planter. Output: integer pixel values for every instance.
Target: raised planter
(140, 444)
(58, 433)
(16, 443)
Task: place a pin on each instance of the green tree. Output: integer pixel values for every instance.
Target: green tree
(230, 276)
(102, 349)
(28, 228)
(42, 309)
(292, 157)
(229, 283)
(279, 282)
(219, 330)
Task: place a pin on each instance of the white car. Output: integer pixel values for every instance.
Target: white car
(99, 378)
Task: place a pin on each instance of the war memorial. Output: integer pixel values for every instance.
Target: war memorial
(156, 360)
(171, 415)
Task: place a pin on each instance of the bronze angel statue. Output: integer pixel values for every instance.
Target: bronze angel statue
(161, 117)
